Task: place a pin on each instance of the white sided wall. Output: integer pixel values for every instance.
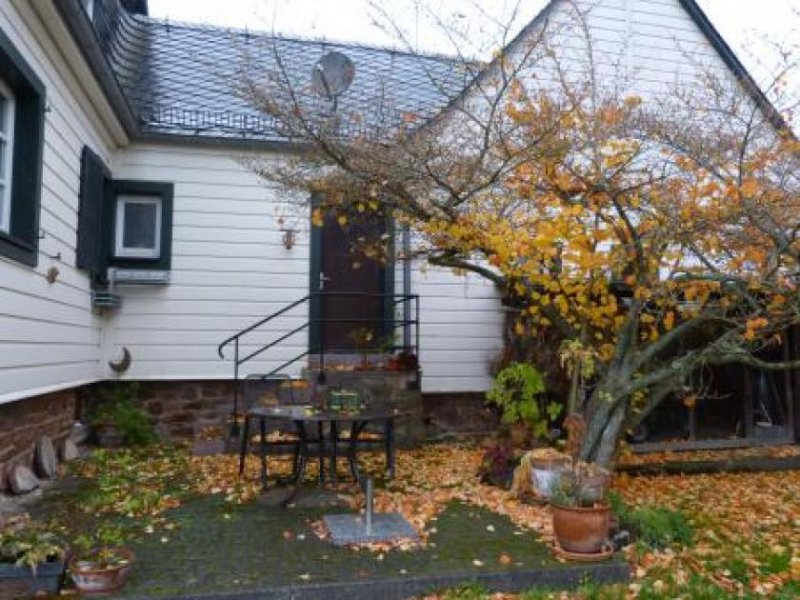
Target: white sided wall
(230, 269)
(49, 337)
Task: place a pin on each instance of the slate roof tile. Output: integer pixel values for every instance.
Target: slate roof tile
(180, 79)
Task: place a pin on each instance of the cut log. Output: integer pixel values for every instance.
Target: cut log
(21, 480)
(45, 458)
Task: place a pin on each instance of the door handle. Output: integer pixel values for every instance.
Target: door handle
(322, 280)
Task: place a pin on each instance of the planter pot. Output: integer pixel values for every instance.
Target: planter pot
(20, 581)
(582, 530)
(89, 579)
(546, 474)
(546, 479)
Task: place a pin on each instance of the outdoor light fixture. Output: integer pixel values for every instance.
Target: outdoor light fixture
(289, 238)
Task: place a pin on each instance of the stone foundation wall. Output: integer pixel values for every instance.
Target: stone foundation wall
(464, 412)
(24, 421)
(184, 409)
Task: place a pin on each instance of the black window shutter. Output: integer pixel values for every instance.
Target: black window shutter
(91, 254)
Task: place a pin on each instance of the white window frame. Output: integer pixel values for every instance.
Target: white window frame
(8, 139)
(88, 6)
(121, 251)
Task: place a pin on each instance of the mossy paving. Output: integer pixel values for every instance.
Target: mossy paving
(217, 546)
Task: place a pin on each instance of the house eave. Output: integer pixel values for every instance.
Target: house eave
(736, 66)
(83, 34)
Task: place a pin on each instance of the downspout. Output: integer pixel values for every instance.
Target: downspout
(407, 315)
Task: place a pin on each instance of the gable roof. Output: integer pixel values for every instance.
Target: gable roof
(178, 79)
(175, 79)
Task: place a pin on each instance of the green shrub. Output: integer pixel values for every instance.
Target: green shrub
(518, 390)
(116, 405)
(653, 526)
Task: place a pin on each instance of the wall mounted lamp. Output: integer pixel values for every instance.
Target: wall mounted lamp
(289, 237)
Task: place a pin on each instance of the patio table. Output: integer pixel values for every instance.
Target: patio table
(328, 445)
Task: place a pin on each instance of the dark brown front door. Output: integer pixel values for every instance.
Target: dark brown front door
(351, 307)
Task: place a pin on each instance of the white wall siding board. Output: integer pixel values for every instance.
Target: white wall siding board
(655, 46)
(49, 336)
(460, 331)
(229, 269)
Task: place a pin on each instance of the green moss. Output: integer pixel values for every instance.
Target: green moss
(220, 546)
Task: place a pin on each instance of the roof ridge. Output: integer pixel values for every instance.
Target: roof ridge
(260, 33)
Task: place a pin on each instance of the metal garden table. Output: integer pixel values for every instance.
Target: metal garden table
(328, 439)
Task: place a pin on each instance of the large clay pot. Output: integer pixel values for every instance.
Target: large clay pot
(90, 579)
(582, 530)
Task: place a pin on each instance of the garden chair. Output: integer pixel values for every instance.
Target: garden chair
(261, 392)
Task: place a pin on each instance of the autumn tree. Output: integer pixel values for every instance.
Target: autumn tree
(652, 236)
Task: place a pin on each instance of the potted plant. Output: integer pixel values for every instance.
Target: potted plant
(518, 390)
(31, 558)
(581, 513)
(364, 340)
(102, 564)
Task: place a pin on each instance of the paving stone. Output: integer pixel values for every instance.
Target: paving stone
(352, 529)
(21, 480)
(45, 458)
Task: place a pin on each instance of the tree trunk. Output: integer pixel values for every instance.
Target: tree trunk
(605, 416)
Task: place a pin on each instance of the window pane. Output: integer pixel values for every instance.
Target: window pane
(3, 152)
(140, 225)
(3, 113)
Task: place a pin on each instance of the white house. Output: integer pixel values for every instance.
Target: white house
(133, 241)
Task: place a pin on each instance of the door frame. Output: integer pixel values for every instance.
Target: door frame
(387, 283)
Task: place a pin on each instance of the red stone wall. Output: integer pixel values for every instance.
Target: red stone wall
(24, 421)
(184, 409)
(465, 412)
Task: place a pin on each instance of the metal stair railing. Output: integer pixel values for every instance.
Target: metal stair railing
(390, 324)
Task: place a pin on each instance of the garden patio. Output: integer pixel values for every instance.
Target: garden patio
(200, 531)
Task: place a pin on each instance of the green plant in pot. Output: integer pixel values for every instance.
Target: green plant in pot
(101, 564)
(31, 558)
(579, 505)
(519, 392)
(116, 418)
(363, 339)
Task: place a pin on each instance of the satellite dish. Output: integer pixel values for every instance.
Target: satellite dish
(332, 75)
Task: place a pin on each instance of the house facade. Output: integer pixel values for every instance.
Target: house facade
(134, 239)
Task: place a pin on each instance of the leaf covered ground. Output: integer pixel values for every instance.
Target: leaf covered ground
(745, 527)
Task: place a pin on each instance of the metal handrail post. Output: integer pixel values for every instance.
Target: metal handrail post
(235, 425)
(321, 375)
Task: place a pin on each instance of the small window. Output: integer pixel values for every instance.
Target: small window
(138, 227)
(88, 6)
(6, 153)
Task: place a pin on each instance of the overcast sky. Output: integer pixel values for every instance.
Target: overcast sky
(741, 22)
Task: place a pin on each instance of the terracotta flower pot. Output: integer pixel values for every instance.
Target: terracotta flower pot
(90, 578)
(581, 530)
